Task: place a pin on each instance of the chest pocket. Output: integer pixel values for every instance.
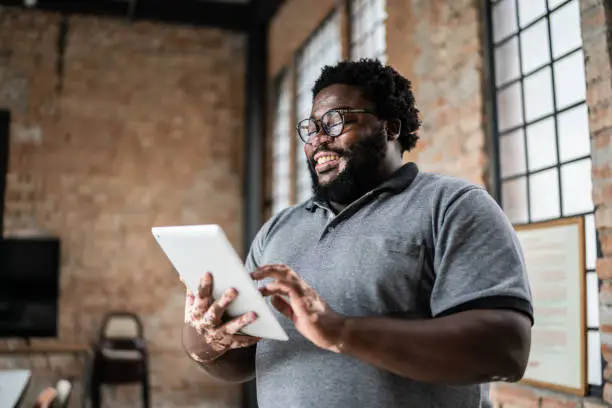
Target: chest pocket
(384, 277)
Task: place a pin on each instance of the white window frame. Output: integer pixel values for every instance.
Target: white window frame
(322, 48)
(281, 146)
(540, 98)
(368, 29)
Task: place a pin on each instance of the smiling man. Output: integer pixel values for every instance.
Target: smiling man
(397, 287)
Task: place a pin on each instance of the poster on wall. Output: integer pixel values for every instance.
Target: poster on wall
(554, 255)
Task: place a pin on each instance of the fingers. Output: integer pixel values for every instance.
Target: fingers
(296, 304)
(212, 316)
(281, 287)
(205, 288)
(282, 306)
(189, 302)
(204, 298)
(234, 326)
(274, 271)
(239, 341)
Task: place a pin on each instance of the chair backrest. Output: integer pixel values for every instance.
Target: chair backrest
(121, 325)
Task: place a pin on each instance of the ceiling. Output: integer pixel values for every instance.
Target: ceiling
(237, 15)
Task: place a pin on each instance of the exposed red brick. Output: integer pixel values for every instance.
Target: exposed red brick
(604, 268)
(606, 351)
(514, 395)
(550, 401)
(607, 392)
(145, 131)
(603, 216)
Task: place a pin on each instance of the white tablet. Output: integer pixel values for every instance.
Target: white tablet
(195, 249)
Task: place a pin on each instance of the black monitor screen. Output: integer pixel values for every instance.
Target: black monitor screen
(29, 287)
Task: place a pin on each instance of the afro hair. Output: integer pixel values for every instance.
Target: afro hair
(383, 86)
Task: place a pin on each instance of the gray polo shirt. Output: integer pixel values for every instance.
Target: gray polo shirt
(419, 246)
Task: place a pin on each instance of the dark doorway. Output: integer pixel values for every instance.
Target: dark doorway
(5, 123)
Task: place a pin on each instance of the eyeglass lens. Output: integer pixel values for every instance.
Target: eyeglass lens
(332, 123)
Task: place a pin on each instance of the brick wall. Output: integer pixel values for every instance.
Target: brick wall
(437, 45)
(596, 30)
(118, 127)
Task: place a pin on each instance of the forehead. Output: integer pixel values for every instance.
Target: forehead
(338, 96)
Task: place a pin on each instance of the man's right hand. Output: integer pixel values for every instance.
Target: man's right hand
(204, 314)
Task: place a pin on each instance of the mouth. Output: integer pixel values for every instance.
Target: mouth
(326, 161)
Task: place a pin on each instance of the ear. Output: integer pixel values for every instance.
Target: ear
(393, 129)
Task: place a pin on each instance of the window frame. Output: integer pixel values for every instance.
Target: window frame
(370, 32)
(300, 178)
(492, 89)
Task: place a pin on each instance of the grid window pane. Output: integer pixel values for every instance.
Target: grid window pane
(504, 19)
(592, 290)
(530, 10)
(547, 174)
(534, 46)
(282, 148)
(514, 199)
(368, 29)
(590, 238)
(577, 187)
(538, 95)
(574, 138)
(509, 107)
(570, 80)
(544, 197)
(565, 29)
(594, 373)
(323, 48)
(512, 148)
(541, 144)
(553, 4)
(507, 61)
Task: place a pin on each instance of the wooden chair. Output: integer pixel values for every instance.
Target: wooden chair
(119, 357)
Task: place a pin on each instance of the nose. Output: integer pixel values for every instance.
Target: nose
(319, 138)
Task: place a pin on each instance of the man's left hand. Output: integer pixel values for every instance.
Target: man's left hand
(297, 300)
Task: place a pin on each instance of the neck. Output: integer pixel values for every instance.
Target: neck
(383, 173)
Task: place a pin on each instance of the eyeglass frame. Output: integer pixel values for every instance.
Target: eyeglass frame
(319, 122)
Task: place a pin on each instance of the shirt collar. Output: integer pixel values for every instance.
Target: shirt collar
(399, 180)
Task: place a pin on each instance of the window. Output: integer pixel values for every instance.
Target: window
(281, 156)
(542, 128)
(368, 31)
(323, 48)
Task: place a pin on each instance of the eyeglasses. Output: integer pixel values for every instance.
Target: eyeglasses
(332, 123)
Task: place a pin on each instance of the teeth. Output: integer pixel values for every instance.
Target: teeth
(325, 159)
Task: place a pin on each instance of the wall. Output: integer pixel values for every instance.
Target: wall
(292, 24)
(118, 127)
(437, 45)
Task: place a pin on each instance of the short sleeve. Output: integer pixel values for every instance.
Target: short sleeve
(478, 261)
(258, 245)
(254, 255)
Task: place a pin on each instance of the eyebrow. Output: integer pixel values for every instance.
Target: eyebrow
(336, 108)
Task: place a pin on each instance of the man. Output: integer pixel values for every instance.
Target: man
(396, 287)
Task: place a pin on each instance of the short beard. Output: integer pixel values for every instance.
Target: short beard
(360, 175)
